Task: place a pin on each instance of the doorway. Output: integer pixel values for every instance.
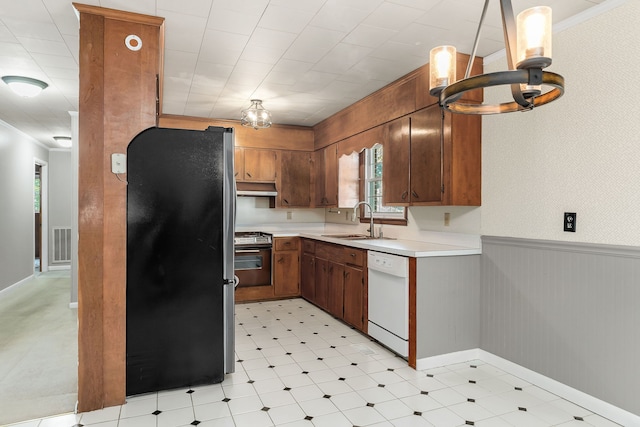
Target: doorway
(40, 220)
(37, 203)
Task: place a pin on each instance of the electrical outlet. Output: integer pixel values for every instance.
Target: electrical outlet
(447, 219)
(570, 222)
(288, 214)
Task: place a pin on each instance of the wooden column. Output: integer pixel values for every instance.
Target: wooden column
(118, 93)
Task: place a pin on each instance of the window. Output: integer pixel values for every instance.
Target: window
(373, 190)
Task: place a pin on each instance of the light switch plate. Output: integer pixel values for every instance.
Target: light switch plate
(118, 163)
(570, 222)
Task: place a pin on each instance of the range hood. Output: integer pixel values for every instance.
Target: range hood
(256, 189)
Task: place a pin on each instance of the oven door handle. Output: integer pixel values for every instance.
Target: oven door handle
(247, 251)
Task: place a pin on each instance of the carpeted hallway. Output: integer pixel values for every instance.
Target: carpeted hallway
(38, 349)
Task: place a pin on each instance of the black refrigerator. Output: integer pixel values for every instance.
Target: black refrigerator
(180, 281)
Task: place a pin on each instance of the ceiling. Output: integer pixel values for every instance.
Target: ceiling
(306, 59)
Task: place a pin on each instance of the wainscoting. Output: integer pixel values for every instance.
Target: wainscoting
(568, 311)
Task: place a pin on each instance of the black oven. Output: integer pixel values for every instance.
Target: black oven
(252, 262)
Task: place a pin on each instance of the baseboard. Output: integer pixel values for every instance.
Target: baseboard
(9, 289)
(59, 267)
(578, 397)
(73, 304)
(447, 359)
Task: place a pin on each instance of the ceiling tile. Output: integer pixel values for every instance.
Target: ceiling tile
(335, 15)
(26, 28)
(58, 48)
(311, 6)
(392, 16)
(417, 4)
(264, 37)
(262, 54)
(342, 57)
(198, 8)
(183, 32)
(233, 21)
(369, 36)
(224, 48)
(147, 7)
(283, 19)
(249, 7)
(312, 44)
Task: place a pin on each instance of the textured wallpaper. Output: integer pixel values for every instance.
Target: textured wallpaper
(579, 154)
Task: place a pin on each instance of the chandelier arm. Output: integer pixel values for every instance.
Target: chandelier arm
(477, 40)
(453, 92)
(509, 27)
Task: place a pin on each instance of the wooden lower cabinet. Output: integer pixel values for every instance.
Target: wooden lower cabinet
(334, 278)
(335, 289)
(355, 297)
(286, 267)
(308, 276)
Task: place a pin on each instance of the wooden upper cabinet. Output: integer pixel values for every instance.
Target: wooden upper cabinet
(395, 164)
(433, 158)
(326, 176)
(294, 180)
(426, 156)
(238, 164)
(259, 165)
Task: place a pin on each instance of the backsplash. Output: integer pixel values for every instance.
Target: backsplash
(255, 210)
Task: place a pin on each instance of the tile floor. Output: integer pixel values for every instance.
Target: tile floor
(297, 366)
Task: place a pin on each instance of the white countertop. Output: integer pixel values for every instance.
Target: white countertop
(402, 247)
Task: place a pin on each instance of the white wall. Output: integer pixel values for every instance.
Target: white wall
(17, 153)
(255, 211)
(579, 154)
(60, 172)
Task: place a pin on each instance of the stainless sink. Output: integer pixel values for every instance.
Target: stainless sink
(356, 237)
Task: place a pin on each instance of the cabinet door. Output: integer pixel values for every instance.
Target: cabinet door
(322, 280)
(238, 164)
(331, 175)
(426, 156)
(319, 174)
(295, 179)
(286, 273)
(308, 277)
(259, 165)
(326, 176)
(354, 296)
(335, 294)
(395, 163)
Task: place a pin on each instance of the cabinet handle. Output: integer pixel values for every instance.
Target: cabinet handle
(285, 201)
(353, 255)
(236, 174)
(404, 195)
(280, 260)
(248, 174)
(414, 194)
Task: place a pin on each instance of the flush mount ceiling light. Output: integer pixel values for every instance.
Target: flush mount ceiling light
(526, 61)
(256, 116)
(63, 141)
(25, 86)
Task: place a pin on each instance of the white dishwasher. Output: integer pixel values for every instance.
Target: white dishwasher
(389, 300)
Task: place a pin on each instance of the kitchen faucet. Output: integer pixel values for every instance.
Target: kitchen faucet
(353, 217)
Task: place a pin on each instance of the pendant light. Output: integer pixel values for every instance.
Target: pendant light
(256, 116)
(526, 60)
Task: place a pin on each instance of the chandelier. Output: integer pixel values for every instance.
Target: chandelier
(528, 47)
(256, 116)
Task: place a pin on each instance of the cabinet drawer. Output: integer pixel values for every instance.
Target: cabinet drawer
(286, 243)
(353, 256)
(326, 250)
(308, 246)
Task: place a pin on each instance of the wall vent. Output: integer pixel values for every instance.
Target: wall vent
(61, 244)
